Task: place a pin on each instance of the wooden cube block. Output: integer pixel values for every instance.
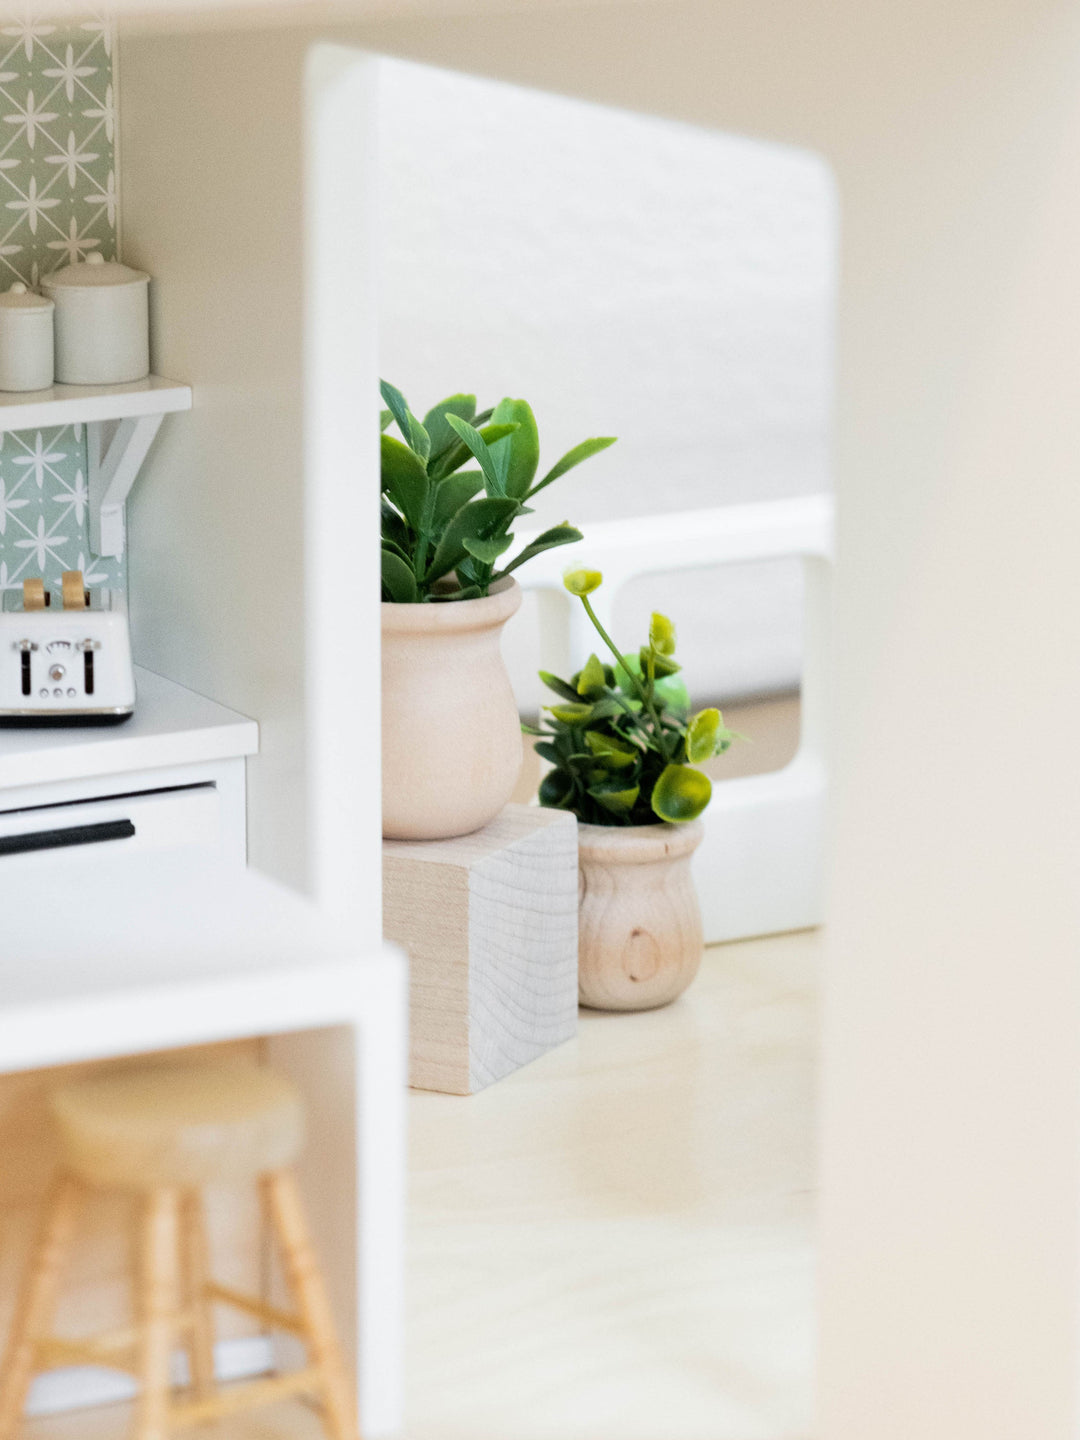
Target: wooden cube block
(489, 922)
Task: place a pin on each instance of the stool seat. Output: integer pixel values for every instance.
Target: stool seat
(178, 1127)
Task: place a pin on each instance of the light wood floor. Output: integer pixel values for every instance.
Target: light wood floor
(616, 1241)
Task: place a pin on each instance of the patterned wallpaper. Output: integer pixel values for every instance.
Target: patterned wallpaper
(58, 202)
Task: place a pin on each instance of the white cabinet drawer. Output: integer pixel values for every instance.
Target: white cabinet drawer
(157, 819)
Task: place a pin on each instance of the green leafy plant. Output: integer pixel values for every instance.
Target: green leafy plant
(622, 740)
(445, 529)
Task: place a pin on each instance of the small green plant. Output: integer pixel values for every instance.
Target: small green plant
(444, 529)
(622, 739)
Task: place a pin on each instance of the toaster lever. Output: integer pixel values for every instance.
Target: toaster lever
(76, 595)
(34, 594)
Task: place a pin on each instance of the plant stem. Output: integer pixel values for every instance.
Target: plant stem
(646, 697)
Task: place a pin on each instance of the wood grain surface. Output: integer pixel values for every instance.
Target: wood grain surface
(640, 940)
(489, 922)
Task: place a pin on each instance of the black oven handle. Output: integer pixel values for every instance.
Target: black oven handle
(70, 835)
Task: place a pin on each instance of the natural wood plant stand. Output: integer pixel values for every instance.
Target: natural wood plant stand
(489, 922)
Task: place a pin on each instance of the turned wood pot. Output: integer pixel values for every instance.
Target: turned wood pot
(639, 927)
(451, 736)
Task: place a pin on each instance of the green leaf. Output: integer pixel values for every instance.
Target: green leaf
(385, 416)
(442, 437)
(563, 534)
(590, 680)
(481, 451)
(681, 794)
(393, 526)
(546, 750)
(398, 579)
(582, 761)
(559, 686)
(404, 479)
(703, 736)
(556, 789)
(614, 755)
(464, 592)
(574, 457)
(661, 665)
(583, 582)
(398, 550)
(614, 797)
(670, 692)
(609, 709)
(415, 435)
(571, 714)
(519, 452)
(454, 457)
(483, 519)
(661, 634)
(488, 551)
(399, 406)
(453, 492)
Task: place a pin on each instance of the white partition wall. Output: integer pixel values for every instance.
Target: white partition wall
(254, 575)
(245, 193)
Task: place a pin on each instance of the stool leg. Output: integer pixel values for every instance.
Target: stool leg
(37, 1300)
(159, 1237)
(196, 1266)
(306, 1282)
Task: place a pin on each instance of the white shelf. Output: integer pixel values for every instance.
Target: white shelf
(85, 404)
(106, 956)
(171, 726)
(151, 952)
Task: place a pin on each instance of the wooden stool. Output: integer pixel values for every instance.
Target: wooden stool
(164, 1134)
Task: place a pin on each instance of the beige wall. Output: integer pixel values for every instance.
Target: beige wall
(951, 1198)
(951, 1195)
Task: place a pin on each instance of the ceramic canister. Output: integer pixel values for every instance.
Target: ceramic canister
(102, 322)
(26, 340)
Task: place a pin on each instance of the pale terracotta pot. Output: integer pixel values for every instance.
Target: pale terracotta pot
(451, 736)
(639, 928)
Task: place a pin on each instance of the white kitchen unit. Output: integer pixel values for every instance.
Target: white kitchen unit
(173, 773)
(116, 955)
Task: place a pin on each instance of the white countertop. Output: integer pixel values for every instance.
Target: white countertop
(171, 726)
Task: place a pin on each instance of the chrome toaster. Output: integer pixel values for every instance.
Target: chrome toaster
(67, 664)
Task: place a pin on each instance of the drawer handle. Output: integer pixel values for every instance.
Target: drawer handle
(70, 835)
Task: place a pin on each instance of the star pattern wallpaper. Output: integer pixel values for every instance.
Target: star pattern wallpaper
(58, 203)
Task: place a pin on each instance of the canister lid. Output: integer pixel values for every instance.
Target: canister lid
(21, 299)
(92, 272)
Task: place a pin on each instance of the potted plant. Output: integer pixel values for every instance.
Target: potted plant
(451, 748)
(624, 750)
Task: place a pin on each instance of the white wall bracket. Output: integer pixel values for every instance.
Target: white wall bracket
(111, 470)
(114, 460)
